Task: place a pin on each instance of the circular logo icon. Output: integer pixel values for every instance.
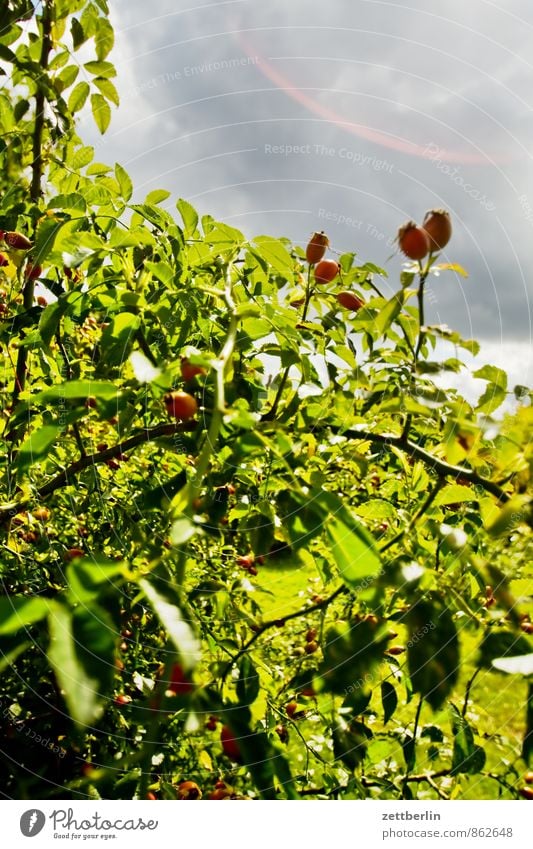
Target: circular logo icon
(32, 822)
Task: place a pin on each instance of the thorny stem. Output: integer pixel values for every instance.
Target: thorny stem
(217, 417)
(420, 340)
(268, 417)
(35, 187)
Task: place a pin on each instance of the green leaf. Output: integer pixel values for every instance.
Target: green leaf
(376, 508)
(179, 630)
(17, 612)
(101, 69)
(104, 38)
(492, 398)
(82, 157)
(455, 494)
(352, 650)
(66, 77)
(118, 337)
(432, 651)
(10, 649)
(467, 756)
(389, 700)
(36, 446)
(247, 682)
(101, 112)
(160, 497)
(47, 233)
(78, 97)
(82, 655)
(157, 196)
(255, 749)
(162, 271)
(107, 88)
(354, 550)
(88, 576)
(78, 390)
(256, 328)
(275, 254)
(124, 181)
(494, 375)
(78, 35)
(389, 313)
(224, 237)
(189, 217)
(515, 512)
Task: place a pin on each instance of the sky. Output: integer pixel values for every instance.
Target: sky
(350, 116)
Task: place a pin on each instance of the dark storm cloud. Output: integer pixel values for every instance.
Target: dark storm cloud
(348, 116)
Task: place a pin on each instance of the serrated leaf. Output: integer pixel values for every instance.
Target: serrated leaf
(157, 196)
(104, 38)
(189, 217)
(101, 69)
(275, 254)
(101, 112)
(179, 631)
(107, 88)
(432, 651)
(492, 398)
(389, 313)
(455, 494)
(78, 96)
(124, 181)
(493, 374)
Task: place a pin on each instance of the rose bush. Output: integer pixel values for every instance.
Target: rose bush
(188, 552)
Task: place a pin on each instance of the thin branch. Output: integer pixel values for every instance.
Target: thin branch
(279, 623)
(65, 477)
(434, 463)
(419, 513)
(35, 187)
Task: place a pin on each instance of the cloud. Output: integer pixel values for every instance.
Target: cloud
(376, 111)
